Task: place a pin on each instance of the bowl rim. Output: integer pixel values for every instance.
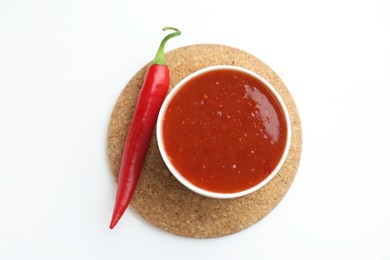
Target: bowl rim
(177, 174)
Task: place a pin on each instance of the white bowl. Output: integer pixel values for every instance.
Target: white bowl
(177, 174)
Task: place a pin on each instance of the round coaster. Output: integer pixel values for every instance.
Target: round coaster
(159, 198)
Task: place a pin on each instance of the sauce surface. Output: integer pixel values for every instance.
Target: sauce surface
(224, 131)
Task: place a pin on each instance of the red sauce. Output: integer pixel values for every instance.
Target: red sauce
(224, 131)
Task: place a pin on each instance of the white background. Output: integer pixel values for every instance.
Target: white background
(64, 63)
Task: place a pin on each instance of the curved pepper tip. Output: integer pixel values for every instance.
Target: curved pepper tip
(113, 224)
(114, 221)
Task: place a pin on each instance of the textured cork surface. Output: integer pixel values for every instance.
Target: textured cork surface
(159, 198)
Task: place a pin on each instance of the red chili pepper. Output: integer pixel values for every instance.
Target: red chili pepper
(150, 99)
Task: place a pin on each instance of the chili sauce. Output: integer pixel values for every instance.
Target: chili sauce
(224, 131)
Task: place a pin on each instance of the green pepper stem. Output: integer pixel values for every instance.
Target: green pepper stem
(159, 58)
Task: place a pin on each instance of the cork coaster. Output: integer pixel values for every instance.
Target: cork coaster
(159, 198)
